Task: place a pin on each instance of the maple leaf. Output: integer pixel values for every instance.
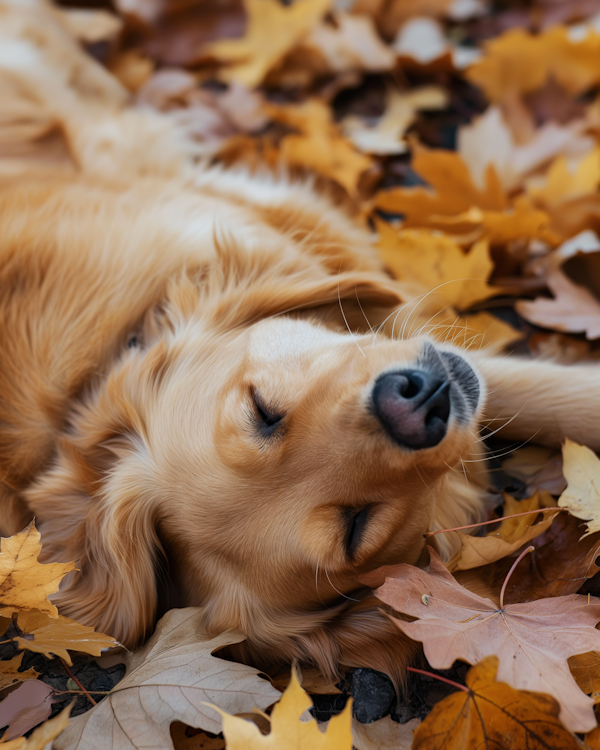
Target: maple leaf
(581, 467)
(493, 715)
(531, 640)
(433, 263)
(272, 30)
(53, 636)
(170, 678)
(41, 738)
(24, 582)
(287, 731)
(561, 183)
(9, 672)
(320, 145)
(476, 551)
(574, 308)
(384, 734)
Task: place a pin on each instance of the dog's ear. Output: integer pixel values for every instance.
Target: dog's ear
(98, 510)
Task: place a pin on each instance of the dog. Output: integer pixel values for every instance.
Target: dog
(201, 403)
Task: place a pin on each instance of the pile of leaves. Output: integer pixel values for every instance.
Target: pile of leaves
(465, 134)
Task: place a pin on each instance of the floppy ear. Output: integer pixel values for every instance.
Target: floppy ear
(96, 510)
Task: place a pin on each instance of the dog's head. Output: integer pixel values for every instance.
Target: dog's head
(273, 462)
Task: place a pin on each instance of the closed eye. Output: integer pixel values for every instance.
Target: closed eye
(269, 418)
(356, 525)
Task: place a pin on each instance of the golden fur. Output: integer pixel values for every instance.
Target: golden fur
(137, 321)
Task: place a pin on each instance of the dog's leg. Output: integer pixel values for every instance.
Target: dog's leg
(542, 401)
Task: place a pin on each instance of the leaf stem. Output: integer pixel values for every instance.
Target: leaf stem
(494, 520)
(510, 572)
(76, 681)
(82, 692)
(438, 677)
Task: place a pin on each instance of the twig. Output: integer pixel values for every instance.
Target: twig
(438, 677)
(76, 681)
(494, 520)
(82, 692)
(510, 572)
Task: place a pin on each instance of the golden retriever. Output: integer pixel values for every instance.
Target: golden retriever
(201, 404)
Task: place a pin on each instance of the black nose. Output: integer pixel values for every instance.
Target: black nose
(413, 406)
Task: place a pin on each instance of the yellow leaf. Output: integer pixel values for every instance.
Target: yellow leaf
(9, 672)
(43, 735)
(24, 582)
(581, 468)
(511, 529)
(287, 731)
(563, 183)
(320, 145)
(434, 263)
(53, 636)
(273, 30)
(477, 331)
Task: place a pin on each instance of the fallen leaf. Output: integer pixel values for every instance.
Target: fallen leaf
(91, 26)
(320, 145)
(476, 551)
(188, 738)
(25, 708)
(432, 263)
(573, 308)
(493, 715)
(585, 669)
(386, 136)
(9, 672)
(272, 30)
(171, 678)
(559, 565)
(531, 640)
(287, 731)
(24, 582)
(581, 467)
(384, 734)
(511, 529)
(347, 43)
(41, 737)
(311, 680)
(421, 42)
(53, 636)
(563, 182)
(477, 331)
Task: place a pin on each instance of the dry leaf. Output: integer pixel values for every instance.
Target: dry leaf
(25, 708)
(91, 26)
(9, 672)
(384, 734)
(41, 737)
(53, 636)
(287, 731)
(273, 29)
(493, 715)
(24, 582)
(532, 641)
(581, 467)
(585, 669)
(476, 551)
(311, 680)
(171, 678)
(432, 263)
(564, 182)
(188, 738)
(574, 308)
(349, 43)
(421, 41)
(386, 137)
(319, 145)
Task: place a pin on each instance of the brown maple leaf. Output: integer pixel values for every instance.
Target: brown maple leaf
(493, 715)
(532, 641)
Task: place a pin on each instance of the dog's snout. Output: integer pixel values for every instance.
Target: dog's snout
(413, 406)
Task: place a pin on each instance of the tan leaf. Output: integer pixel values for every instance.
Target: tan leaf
(53, 636)
(384, 734)
(91, 26)
(511, 529)
(434, 263)
(532, 640)
(25, 707)
(41, 737)
(386, 137)
(287, 731)
(564, 183)
(585, 669)
(476, 331)
(171, 678)
(492, 714)
(9, 672)
(476, 551)
(273, 29)
(581, 467)
(24, 582)
(574, 308)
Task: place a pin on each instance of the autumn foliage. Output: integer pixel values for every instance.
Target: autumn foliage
(465, 135)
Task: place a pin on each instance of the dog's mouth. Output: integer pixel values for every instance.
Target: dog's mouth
(415, 405)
